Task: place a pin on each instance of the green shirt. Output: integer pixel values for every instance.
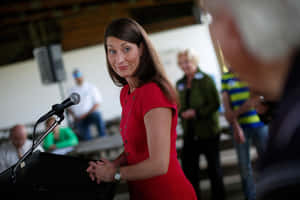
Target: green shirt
(205, 100)
(66, 138)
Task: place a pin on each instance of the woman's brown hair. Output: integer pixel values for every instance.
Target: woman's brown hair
(150, 68)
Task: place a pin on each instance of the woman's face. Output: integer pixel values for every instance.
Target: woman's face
(123, 56)
(187, 66)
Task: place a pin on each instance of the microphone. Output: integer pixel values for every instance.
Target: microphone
(58, 109)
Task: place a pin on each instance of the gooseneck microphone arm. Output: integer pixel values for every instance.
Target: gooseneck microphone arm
(49, 130)
(35, 144)
(57, 109)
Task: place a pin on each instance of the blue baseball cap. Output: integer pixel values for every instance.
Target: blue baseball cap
(77, 73)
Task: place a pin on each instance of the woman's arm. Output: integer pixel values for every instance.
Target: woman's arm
(158, 129)
(120, 160)
(48, 141)
(70, 138)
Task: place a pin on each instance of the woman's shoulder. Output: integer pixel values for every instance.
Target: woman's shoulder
(154, 93)
(150, 85)
(151, 96)
(200, 75)
(125, 87)
(180, 80)
(150, 88)
(66, 129)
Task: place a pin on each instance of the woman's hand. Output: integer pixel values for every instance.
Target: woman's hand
(103, 170)
(188, 114)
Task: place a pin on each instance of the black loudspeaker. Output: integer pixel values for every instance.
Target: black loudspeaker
(50, 63)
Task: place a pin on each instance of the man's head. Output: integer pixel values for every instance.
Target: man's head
(18, 135)
(77, 75)
(258, 38)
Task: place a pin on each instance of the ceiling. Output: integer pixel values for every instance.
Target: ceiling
(26, 24)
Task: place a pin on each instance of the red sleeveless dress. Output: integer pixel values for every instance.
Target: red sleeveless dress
(172, 185)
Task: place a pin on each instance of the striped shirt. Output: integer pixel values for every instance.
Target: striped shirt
(239, 93)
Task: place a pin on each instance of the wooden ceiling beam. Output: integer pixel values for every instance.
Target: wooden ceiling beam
(89, 35)
(39, 5)
(56, 11)
(27, 6)
(82, 26)
(170, 24)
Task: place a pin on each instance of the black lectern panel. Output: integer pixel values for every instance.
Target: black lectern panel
(51, 176)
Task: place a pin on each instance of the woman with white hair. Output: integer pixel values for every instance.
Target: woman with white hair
(261, 41)
(199, 100)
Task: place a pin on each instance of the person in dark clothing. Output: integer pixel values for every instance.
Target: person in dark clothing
(199, 115)
(261, 41)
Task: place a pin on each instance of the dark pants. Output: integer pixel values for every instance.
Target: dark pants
(210, 148)
(84, 126)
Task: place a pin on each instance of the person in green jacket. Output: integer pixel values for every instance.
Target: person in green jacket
(199, 116)
(61, 137)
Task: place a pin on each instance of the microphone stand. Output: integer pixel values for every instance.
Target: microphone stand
(21, 162)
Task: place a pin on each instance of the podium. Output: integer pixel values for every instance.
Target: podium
(50, 176)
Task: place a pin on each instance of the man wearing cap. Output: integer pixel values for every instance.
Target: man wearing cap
(86, 113)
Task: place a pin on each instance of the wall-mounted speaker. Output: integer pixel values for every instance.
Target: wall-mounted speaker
(50, 63)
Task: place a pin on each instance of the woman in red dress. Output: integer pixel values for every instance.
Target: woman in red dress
(149, 118)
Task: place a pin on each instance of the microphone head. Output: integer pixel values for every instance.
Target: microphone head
(75, 98)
